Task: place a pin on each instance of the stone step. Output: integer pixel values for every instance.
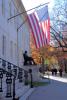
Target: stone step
(27, 94)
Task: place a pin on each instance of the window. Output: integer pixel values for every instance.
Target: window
(11, 49)
(4, 45)
(16, 18)
(10, 9)
(15, 47)
(14, 14)
(3, 7)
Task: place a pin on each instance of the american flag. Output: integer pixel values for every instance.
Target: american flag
(40, 26)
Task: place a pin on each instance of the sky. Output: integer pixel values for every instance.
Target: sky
(28, 4)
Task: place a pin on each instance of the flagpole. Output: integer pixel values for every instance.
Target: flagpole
(21, 25)
(27, 11)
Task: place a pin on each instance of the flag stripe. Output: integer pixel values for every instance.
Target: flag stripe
(40, 26)
(48, 30)
(44, 37)
(39, 29)
(36, 31)
(32, 30)
(44, 28)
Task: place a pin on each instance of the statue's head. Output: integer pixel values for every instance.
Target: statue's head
(25, 51)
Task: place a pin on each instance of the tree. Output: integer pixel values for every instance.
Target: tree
(58, 22)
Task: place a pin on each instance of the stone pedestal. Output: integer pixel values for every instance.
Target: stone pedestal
(35, 72)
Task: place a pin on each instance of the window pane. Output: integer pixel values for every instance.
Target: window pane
(4, 45)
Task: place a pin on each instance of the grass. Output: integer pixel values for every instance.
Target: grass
(36, 84)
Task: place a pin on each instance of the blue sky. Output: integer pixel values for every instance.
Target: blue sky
(28, 4)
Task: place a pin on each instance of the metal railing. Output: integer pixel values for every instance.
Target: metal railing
(12, 73)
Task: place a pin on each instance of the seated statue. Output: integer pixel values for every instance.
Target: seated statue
(28, 60)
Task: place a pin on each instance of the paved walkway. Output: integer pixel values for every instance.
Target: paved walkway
(56, 90)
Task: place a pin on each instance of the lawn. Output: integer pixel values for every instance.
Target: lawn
(36, 84)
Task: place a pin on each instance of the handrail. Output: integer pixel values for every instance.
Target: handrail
(13, 64)
(7, 72)
(10, 74)
(13, 82)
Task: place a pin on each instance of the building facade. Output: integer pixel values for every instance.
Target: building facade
(14, 38)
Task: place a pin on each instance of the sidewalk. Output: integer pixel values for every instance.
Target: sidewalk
(56, 90)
